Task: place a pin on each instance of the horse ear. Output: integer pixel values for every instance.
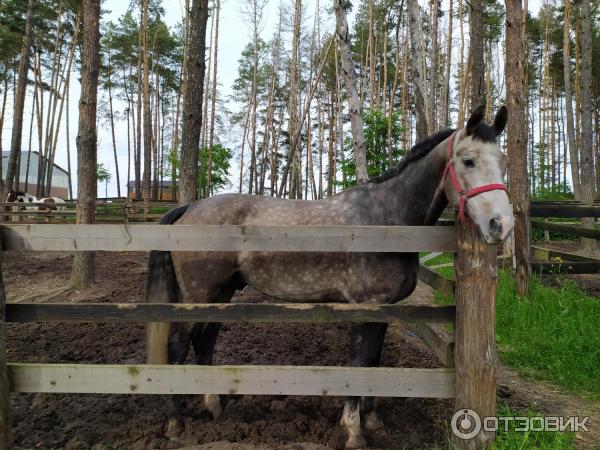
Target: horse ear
(500, 120)
(476, 117)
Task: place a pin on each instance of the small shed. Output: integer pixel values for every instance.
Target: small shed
(165, 190)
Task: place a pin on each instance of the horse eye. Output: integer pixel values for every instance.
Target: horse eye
(468, 162)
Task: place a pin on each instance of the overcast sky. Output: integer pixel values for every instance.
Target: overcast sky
(234, 35)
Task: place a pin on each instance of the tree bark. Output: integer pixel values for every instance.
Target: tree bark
(192, 102)
(434, 64)
(147, 177)
(354, 105)
(19, 106)
(476, 39)
(213, 108)
(418, 68)
(586, 149)
(517, 140)
(84, 262)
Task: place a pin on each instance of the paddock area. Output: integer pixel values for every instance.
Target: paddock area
(135, 422)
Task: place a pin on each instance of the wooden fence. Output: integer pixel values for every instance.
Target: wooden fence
(472, 383)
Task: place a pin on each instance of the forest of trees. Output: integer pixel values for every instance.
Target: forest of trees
(319, 103)
(287, 119)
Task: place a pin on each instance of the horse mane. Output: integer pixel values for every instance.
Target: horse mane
(417, 152)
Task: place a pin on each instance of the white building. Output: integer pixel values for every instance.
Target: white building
(28, 179)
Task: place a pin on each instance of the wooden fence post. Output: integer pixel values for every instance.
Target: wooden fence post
(5, 422)
(475, 333)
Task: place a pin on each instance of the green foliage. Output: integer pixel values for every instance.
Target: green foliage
(552, 334)
(530, 440)
(102, 174)
(376, 125)
(559, 192)
(221, 157)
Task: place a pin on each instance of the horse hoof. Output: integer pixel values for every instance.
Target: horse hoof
(356, 442)
(213, 404)
(174, 428)
(373, 422)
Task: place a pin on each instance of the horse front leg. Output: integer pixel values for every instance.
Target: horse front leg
(365, 351)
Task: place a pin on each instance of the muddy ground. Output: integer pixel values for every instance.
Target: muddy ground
(102, 422)
(136, 422)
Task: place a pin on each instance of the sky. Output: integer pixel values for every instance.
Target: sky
(234, 34)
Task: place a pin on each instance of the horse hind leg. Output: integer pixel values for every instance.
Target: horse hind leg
(365, 351)
(204, 342)
(178, 349)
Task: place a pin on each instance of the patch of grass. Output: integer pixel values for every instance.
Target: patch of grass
(553, 334)
(510, 439)
(530, 440)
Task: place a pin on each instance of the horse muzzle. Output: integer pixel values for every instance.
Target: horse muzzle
(499, 228)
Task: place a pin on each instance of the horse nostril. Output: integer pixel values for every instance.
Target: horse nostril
(495, 226)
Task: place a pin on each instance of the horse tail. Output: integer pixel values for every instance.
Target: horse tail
(162, 288)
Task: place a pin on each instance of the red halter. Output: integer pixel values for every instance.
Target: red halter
(465, 195)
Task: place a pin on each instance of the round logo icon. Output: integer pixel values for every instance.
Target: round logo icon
(465, 424)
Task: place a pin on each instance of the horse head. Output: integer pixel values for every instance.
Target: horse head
(11, 197)
(474, 175)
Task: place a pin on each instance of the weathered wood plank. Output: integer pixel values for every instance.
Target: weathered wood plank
(144, 237)
(241, 380)
(475, 329)
(437, 339)
(566, 267)
(566, 229)
(436, 280)
(563, 210)
(547, 253)
(225, 312)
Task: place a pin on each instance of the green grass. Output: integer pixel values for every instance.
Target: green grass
(523, 440)
(532, 440)
(552, 335)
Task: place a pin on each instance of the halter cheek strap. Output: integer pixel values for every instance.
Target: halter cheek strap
(465, 195)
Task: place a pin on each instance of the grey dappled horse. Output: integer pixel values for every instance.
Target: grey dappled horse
(464, 168)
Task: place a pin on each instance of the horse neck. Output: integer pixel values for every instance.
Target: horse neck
(414, 198)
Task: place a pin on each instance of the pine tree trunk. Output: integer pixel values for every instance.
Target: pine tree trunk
(476, 47)
(192, 102)
(416, 39)
(147, 177)
(84, 262)
(354, 105)
(517, 139)
(19, 104)
(434, 64)
(446, 111)
(213, 110)
(586, 152)
(573, 151)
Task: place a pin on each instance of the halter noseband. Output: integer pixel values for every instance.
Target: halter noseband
(464, 195)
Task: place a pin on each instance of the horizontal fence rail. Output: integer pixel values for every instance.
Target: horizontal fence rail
(142, 237)
(567, 267)
(563, 210)
(240, 380)
(566, 229)
(225, 312)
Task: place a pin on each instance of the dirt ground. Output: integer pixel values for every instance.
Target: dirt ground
(136, 422)
(102, 422)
